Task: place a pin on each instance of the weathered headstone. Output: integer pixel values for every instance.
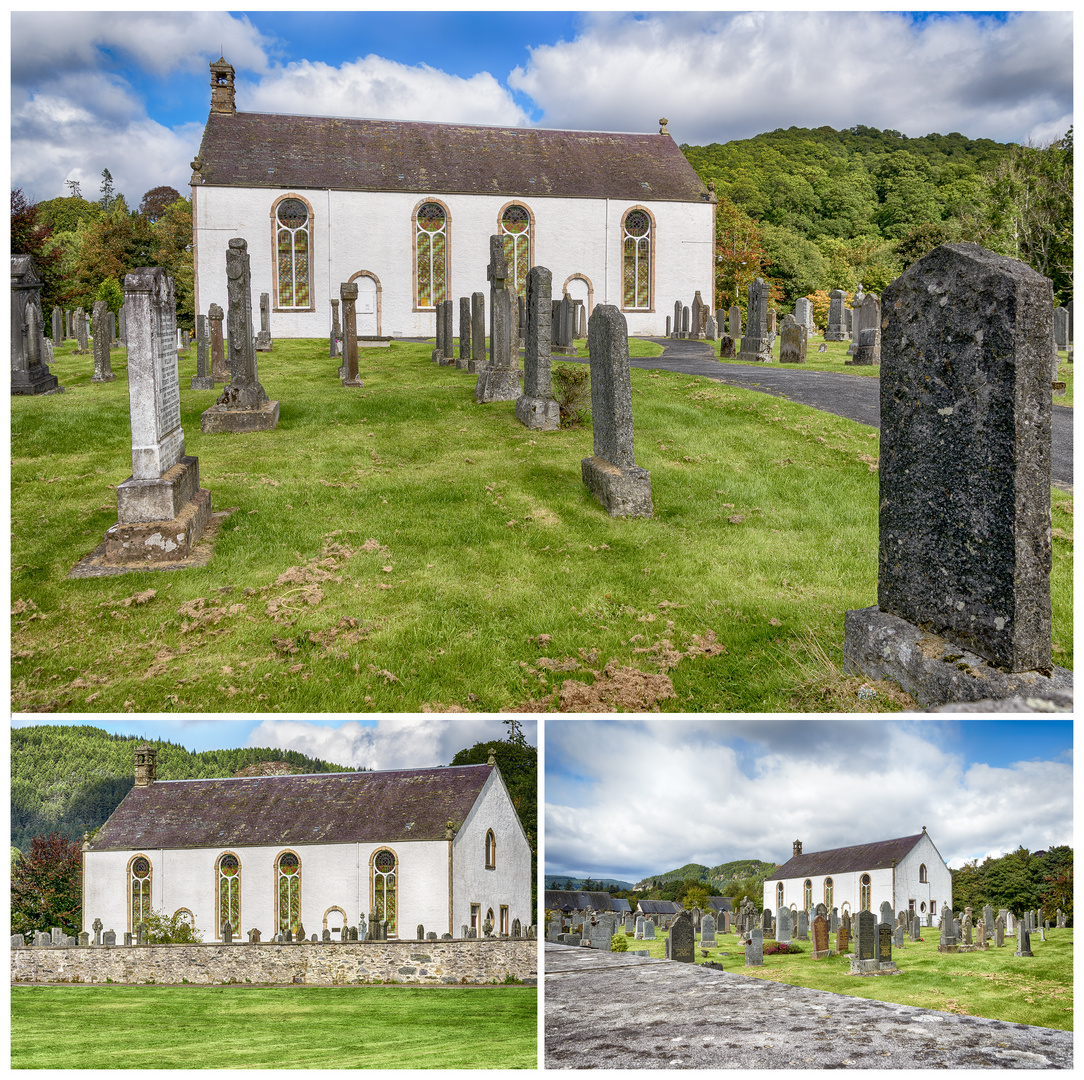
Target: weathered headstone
(227, 933)
(710, 330)
(499, 379)
(81, 330)
(677, 318)
(681, 943)
(18, 941)
(803, 313)
(837, 327)
(58, 327)
(463, 360)
(988, 918)
(477, 332)
(96, 926)
(1023, 941)
(707, 931)
(755, 344)
(336, 332)
(561, 326)
(967, 929)
(948, 941)
(792, 342)
(612, 474)
(536, 408)
(782, 924)
(735, 322)
(447, 310)
(820, 938)
(122, 326)
(263, 338)
(865, 936)
(669, 323)
(999, 932)
(916, 928)
(29, 372)
(109, 937)
(348, 294)
(883, 952)
(694, 315)
(726, 348)
(649, 930)
(243, 405)
(685, 321)
(897, 937)
(219, 371)
(803, 925)
(754, 949)
(203, 379)
(1061, 327)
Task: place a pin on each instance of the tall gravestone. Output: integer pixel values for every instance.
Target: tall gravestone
(536, 407)
(219, 371)
(579, 319)
(477, 333)
(803, 925)
(81, 331)
(203, 379)
(685, 321)
(29, 372)
(735, 322)
(561, 334)
(463, 360)
(348, 294)
(244, 405)
(499, 379)
(865, 935)
(336, 332)
(437, 356)
(792, 342)
(612, 474)
(867, 338)
(964, 484)
(58, 327)
(821, 949)
(122, 326)
(783, 924)
(754, 949)
(694, 315)
(449, 333)
(681, 944)
(803, 313)
(710, 329)
(161, 509)
(103, 371)
(263, 338)
(854, 320)
(1023, 941)
(1061, 327)
(755, 344)
(837, 326)
(707, 931)
(677, 318)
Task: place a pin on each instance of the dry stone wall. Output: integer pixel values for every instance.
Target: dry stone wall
(310, 963)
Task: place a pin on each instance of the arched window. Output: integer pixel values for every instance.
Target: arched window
(229, 893)
(293, 248)
(807, 895)
(489, 919)
(779, 895)
(385, 888)
(515, 227)
(431, 254)
(636, 259)
(289, 891)
(922, 874)
(829, 893)
(139, 878)
(185, 916)
(864, 893)
(491, 850)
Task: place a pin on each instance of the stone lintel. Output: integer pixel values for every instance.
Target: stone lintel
(158, 500)
(160, 541)
(538, 414)
(218, 418)
(624, 492)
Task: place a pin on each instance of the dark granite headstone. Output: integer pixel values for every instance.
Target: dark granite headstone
(865, 945)
(884, 942)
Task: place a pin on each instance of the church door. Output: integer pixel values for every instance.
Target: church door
(366, 307)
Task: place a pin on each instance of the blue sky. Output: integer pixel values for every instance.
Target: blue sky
(129, 91)
(628, 798)
(386, 743)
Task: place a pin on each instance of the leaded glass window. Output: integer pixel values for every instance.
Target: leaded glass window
(779, 895)
(431, 239)
(140, 878)
(229, 893)
(516, 230)
(385, 888)
(864, 893)
(807, 895)
(637, 260)
(829, 892)
(289, 874)
(293, 246)
(491, 850)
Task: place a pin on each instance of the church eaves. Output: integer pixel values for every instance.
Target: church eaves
(319, 808)
(845, 860)
(265, 150)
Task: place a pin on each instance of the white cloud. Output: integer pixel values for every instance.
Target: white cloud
(417, 742)
(722, 75)
(383, 89)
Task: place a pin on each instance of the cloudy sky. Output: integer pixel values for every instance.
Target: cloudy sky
(416, 742)
(629, 798)
(129, 91)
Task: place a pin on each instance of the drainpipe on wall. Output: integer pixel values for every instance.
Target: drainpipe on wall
(606, 261)
(330, 286)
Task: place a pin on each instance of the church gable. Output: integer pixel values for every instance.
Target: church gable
(860, 857)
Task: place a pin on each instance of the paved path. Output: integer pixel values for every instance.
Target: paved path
(615, 1011)
(856, 397)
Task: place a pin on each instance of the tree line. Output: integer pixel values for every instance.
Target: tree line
(812, 210)
(1018, 881)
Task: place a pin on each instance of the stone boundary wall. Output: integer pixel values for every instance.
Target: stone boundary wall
(423, 963)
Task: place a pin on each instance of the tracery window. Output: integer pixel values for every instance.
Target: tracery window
(229, 893)
(491, 850)
(516, 229)
(636, 258)
(864, 893)
(829, 893)
(779, 895)
(289, 893)
(293, 245)
(807, 895)
(431, 253)
(922, 873)
(385, 888)
(139, 877)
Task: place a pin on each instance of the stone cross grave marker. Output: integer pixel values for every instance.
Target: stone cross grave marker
(536, 408)
(96, 926)
(263, 338)
(348, 294)
(499, 379)
(755, 345)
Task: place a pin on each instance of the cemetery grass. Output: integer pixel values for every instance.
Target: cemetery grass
(89, 1027)
(401, 548)
(1036, 990)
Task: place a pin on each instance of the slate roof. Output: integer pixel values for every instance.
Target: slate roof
(845, 860)
(277, 151)
(720, 903)
(561, 899)
(659, 907)
(320, 808)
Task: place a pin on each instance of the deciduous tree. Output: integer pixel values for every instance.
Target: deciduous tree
(47, 886)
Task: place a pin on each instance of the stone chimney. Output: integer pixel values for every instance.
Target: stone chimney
(222, 87)
(797, 847)
(146, 766)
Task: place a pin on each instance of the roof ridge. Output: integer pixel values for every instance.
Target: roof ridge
(298, 776)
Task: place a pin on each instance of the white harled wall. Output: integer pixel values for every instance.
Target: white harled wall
(373, 231)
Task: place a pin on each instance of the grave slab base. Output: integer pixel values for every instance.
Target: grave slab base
(163, 499)
(538, 414)
(218, 419)
(202, 382)
(35, 380)
(497, 384)
(462, 365)
(356, 383)
(373, 342)
(160, 541)
(935, 671)
(624, 492)
(104, 378)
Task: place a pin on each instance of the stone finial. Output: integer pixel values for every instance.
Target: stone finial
(662, 125)
(797, 847)
(492, 760)
(449, 830)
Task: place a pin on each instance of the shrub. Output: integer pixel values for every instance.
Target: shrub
(780, 948)
(163, 929)
(571, 385)
(619, 943)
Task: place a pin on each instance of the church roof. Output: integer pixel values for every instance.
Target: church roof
(576, 900)
(844, 860)
(267, 150)
(320, 808)
(659, 907)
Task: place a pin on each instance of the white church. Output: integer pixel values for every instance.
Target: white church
(406, 209)
(907, 872)
(440, 847)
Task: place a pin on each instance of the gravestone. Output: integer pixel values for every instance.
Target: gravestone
(96, 926)
(916, 928)
(833, 920)
(685, 321)
(161, 509)
(263, 338)
(710, 330)
(681, 944)
(499, 379)
(735, 322)
(325, 935)
(854, 320)
(980, 934)
(868, 350)
(463, 360)
(999, 932)
(598, 933)
(988, 918)
(203, 379)
(669, 322)
(421, 932)
(227, 933)
(57, 935)
(837, 327)
(765, 921)
(726, 922)
(243, 405)
(517, 928)
(707, 931)
(561, 330)
(1061, 327)
(629, 925)
(447, 307)
(866, 339)
(140, 933)
(579, 318)
(803, 313)
(649, 931)
(803, 925)
(639, 934)
(122, 326)
(348, 294)
(967, 928)
(754, 949)
(219, 372)
(1060, 917)
(677, 318)
(58, 327)
(29, 372)
(184, 341)
(897, 937)
(886, 912)
(726, 348)
(964, 532)
(336, 332)
(884, 943)
(847, 919)
(109, 938)
(948, 941)
(18, 941)
(782, 924)
(820, 938)
(1023, 941)
(477, 332)
(612, 474)
(81, 330)
(865, 936)
(822, 347)
(755, 345)
(694, 315)
(792, 342)
(536, 408)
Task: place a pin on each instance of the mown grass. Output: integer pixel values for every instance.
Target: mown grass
(127, 1027)
(994, 984)
(400, 547)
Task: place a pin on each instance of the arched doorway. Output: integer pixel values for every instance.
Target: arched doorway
(367, 308)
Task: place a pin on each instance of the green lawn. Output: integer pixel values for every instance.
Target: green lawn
(402, 548)
(995, 984)
(129, 1027)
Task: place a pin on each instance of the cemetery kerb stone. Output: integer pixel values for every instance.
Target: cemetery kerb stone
(103, 371)
(536, 407)
(612, 474)
(219, 372)
(348, 294)
(477, 333)
(964, 533)
(244, 405)
(203, 379)
(499, 379)
(755, 345)
(463, 360)
(792, 342)
(161, 509)
(29, 372)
